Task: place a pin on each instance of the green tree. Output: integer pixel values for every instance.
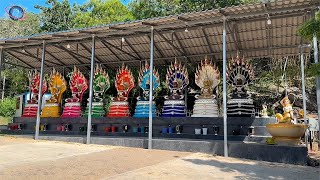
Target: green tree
(98, 12)
(7, 107)
(56, 15)
(311, 27)
(154, 8)
(195, 5)
(16, 78)
(142, 9)
(307, 31)
(10, 28)
(17, 81)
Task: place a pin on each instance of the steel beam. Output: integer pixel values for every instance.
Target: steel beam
(34, 57)
(131, 47)
(55, 58)
(182, 48)
(71, 53)
(316, 61)
(2, 67)
(91, 89)
(234, 36)
(39, 59)
(21, 60)
(36, 137)
(117, 48)
(151, 89)
(111, 50)
(224, 92)
(170, 43)
(157, 48)
(88, 50)
(208, 42)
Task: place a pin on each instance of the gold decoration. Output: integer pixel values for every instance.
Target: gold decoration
(207, 77)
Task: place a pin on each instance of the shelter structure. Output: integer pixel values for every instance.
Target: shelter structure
(266, 29)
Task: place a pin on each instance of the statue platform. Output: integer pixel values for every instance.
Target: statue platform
(240, 146)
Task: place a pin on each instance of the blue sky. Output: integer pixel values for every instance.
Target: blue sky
(29, 4)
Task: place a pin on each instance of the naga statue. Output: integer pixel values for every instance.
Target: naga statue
(78, 85)
(57, 86)
(239, 75)
(101, 84)
(124, 83)
(142, 108)
(177, 80)
(207, 77)
(31, 108)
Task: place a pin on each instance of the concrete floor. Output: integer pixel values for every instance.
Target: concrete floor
(29, 159)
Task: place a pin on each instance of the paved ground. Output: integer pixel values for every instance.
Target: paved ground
(28, 159)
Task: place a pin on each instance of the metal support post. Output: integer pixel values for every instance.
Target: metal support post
(303, 86)
(3, 85)
(91, 89)
(316, 61)
(36, 137)
(151, 88)
(225, 136)
(1, 67)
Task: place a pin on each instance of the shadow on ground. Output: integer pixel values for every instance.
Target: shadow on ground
(261, 170)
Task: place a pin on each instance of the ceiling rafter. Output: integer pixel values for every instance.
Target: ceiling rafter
(208, 41)
(57, 59)
(89, 51)
(72, 54)
(180, 44)
(156, 47)
(95, 55)
(111, 50)
(27, 53)
(170, 43)
(131, 47)
(234, 33)
(117, 48)
(23, 61)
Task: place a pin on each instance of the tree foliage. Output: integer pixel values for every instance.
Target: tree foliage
(311, 27)
(10, 28)
(16, 78)
(56, 15)
(98, 12)
(153, 8)
(7, 107)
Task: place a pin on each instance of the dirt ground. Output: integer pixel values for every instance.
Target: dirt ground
(28, 159)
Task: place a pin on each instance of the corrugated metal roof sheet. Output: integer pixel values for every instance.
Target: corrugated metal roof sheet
(247, 32)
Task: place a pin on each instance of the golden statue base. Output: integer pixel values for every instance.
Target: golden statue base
(286, 134)
(51, 111)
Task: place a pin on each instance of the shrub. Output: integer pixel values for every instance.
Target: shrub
(7, 107)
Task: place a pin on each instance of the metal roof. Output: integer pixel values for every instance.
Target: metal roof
(247, 32)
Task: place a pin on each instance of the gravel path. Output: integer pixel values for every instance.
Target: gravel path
(29, 159)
